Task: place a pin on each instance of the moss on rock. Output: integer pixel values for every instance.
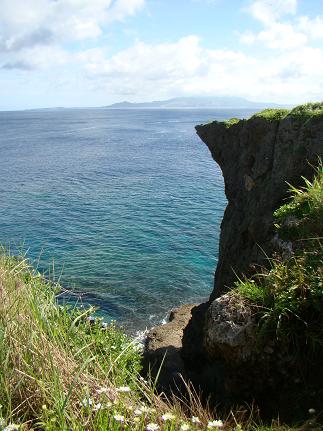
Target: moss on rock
(231, 122)
(272, 114)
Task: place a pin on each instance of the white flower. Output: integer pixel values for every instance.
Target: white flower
(184, 427)
(146, 409)
(97, 407)
(102, 390)
(215, 424)
(12, 427)
(312, 411)
(138, 412)
(87, 402)
(124, 389)
(195, 420)
(142, 379)
(119, 418)
(168, 417)
(152, 427)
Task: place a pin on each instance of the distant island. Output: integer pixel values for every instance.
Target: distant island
(197, 102)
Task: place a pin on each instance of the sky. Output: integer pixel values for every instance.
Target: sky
(78, 53)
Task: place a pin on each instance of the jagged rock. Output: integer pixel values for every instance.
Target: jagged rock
(162, 350)
(258, 157)
(230, 329)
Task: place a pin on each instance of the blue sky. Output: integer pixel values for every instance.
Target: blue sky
(96, 52)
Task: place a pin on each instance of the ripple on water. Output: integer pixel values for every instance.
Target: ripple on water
(127, 203)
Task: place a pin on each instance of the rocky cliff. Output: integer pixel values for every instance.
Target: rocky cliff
(258, 157)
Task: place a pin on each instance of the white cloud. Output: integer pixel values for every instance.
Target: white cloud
(268, 11)
(281, 36)
(312, 27)
(29, 23)
(278, 33)
(283, 66)
(186, 68)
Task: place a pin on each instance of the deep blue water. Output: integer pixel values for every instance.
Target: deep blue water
(127, 203)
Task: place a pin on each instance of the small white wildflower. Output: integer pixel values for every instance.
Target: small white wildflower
(195, 420)
(87, 402)
(146, 409)
(142, 379)
(119, 418)
(102, 390)
(312, 411)
(12, 427)
(215, 424)
(184, 427)
(97, 407)
(124, 389)
(168, 417)
(152, 427)
(138, 412)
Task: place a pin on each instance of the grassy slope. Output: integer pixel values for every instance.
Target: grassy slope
(289, 297)
(60, 372)
(302, 113)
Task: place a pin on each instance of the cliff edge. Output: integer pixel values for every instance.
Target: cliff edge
(259, 158)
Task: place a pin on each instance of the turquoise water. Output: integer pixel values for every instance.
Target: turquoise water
(126, 203)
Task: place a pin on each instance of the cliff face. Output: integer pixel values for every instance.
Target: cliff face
(258, 157)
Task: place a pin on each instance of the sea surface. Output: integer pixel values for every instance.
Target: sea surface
(122, 206)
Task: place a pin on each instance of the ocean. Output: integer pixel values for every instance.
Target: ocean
(123, 207)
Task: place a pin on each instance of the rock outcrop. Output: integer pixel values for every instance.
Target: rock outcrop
(163, 350)
(258, 157)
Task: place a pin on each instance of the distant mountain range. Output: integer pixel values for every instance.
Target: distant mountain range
(197, 102)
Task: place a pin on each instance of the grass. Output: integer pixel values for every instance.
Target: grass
(289, 296)
(61, 370)
(307, 111)
(272, 114)
(231, 122)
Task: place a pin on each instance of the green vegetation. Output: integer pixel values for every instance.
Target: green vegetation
(289, 296)
(272, 114)
(231, 122)
(307, 111)
(60, 370)
(300, 114)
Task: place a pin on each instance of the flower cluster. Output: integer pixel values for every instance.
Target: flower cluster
(142, 417)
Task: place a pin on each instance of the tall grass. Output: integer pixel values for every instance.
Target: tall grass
(60, 370)
(289, 296)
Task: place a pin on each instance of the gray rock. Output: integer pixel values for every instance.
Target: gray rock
(230, 329)
(162, 352)
(258, 157)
